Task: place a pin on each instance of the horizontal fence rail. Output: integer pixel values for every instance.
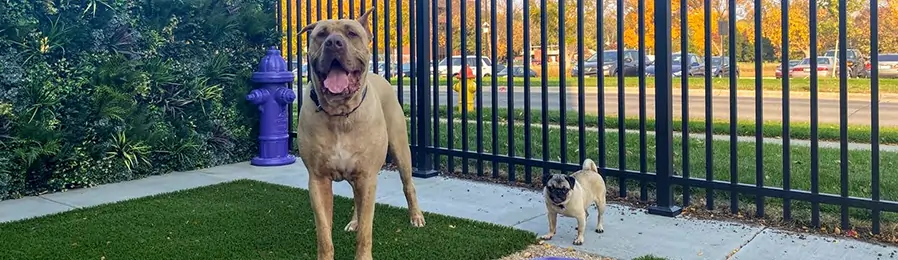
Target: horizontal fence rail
(518, 90)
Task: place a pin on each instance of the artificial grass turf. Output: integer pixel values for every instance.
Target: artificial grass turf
(826, 85)
(244, 220)
(770, 129)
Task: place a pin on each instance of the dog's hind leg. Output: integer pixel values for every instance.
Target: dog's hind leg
(601, 206)
(321, 194)
(401, 155)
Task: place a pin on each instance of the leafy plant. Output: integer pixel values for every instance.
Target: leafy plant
(130, 153)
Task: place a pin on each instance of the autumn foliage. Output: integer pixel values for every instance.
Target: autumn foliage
(510, 14)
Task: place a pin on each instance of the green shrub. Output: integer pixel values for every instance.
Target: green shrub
(103, 91)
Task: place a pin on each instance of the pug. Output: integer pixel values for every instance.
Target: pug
(571, 195)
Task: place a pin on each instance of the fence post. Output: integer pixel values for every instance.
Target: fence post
(663, 113)
(424, 163)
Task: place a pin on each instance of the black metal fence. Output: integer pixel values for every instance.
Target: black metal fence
(669, 170)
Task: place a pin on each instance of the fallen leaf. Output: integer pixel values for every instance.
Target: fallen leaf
(837, 231)
(451, 226)
(700, 253)
(527, 254)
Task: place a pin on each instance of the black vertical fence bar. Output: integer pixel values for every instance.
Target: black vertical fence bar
(299, 55)
(414, 100)
(874, 109)
(663, 113)
(528, 145)
(400, 92)
(734, 170)
(621, 98)
(388, 60)
(709, 111)
(463, 104)
(684, 87)
(373, 27)
(290, 67)
(494, 93)
(478, 46)
(600, 84)
(643, 150)
(562, 87)
(435, 83)
(330, 9)
(581, 96)
(843, 110)
(425, 165)
(815, 157)
(509, 56)
(787, 132)
(544, 90)
(340, 9)
(352, 9)
(759, 111)
(450, 111)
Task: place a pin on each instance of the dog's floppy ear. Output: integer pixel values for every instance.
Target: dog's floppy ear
(363, 19)
(570, 180)
(308, 28)
(590, 165)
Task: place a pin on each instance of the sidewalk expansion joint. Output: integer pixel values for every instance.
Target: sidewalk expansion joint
(733, 253)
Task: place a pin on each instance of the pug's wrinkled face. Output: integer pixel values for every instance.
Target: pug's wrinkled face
(338, 56)
(558, 187)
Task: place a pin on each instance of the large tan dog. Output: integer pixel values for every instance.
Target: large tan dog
(348, 121)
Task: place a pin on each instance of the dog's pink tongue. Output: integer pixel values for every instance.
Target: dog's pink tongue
(337, 81)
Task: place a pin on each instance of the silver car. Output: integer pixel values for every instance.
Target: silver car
(888, 66)
(826, 67)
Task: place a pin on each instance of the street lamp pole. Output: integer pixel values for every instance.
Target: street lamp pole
(486, 31)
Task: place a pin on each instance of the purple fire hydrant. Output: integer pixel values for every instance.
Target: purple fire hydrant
(272, 96)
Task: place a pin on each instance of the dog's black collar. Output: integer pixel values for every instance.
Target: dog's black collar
(314, 96)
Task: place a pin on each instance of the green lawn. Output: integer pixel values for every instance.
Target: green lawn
(829, 177)
(771, 129)
(797, 85)
(243, 220)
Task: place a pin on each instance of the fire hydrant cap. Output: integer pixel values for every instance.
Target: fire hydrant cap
(272, 69)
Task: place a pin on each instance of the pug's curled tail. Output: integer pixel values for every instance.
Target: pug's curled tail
(590, 165)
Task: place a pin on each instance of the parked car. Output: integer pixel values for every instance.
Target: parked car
(826, 67)
(381, 68)
(610, 64)
(888, 66)
(779, 69)
(516, 72)
(720, 67)
(405, 70)
(854, 59)
(471, 61)
(694, 61)
(302, 72)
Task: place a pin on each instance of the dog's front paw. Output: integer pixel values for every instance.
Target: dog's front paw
(547, 236)
(417, 219)
(352, 226)
(578, 241)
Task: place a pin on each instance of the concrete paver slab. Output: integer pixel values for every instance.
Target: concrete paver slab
(25, 208)
(149, 186)
(631, 233)
(775, 244)
(475, 200)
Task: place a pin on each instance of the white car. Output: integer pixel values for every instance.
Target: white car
(486, 65)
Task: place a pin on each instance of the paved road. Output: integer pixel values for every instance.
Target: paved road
(859, 110)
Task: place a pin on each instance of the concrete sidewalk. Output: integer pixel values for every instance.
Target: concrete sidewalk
(629, 232)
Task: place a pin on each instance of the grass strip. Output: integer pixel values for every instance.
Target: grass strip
(826, 85)
(243, 220)
(770, 129)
